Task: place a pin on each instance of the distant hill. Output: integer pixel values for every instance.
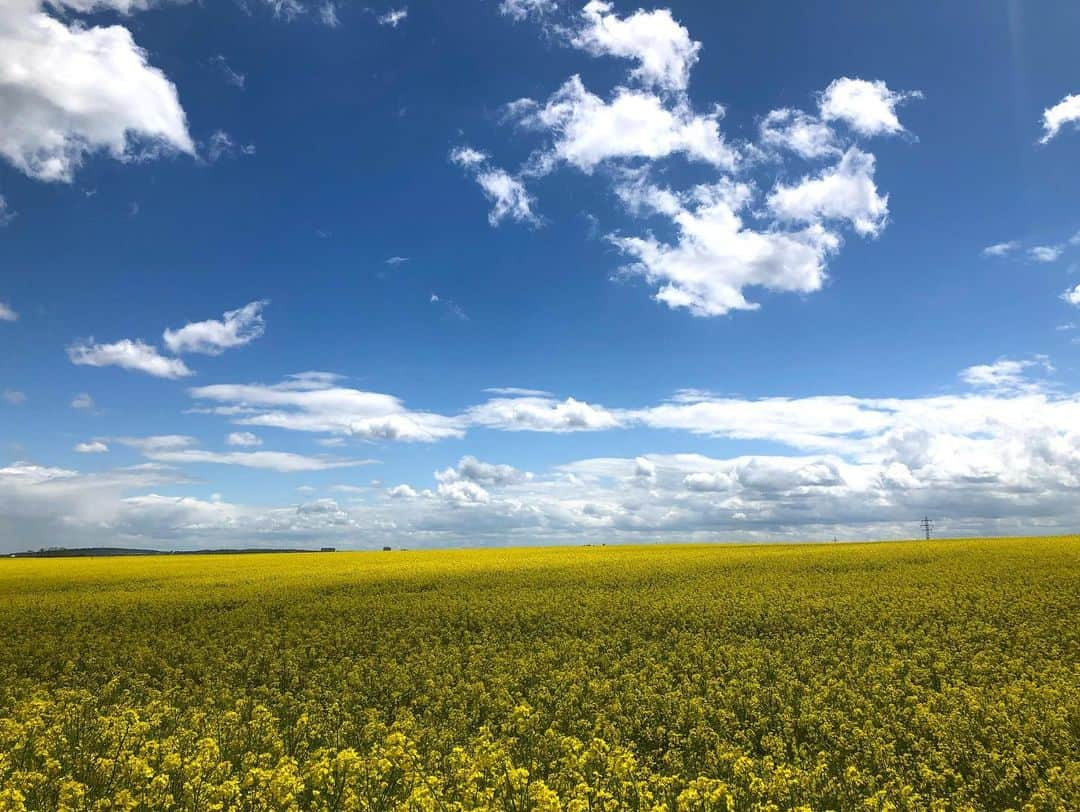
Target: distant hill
(86, 552)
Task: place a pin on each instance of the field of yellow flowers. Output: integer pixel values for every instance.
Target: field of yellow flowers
(930, 675)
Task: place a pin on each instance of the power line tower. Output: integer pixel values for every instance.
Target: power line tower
(927, 524)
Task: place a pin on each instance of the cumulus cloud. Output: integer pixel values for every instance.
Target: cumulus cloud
(533, 413)
(463, 492)
(44, 505)
(588, 131)
(212, 337)
(13, 397)
(470, 469)
(716, 255)
(82, 401)
(1046, 253)
(1072, 296)
(721, 238)
(843, 192)
(869, 108)
(127, 354)
(315, 402)
(1055, 118)
(1003, 457)
(92, 447)
(7, 313)
(1008, 374)
(70, 90)
(660, 45)
(1000, 249)
(798, 132)
(467, 156)
(244, 439)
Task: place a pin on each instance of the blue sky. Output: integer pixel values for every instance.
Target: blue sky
(565, 271)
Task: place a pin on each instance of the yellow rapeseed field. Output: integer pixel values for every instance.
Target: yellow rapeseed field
(930, 675)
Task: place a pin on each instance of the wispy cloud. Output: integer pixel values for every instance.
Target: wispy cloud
(213, 336)
(393, 17)
(127, 354)
(232, 77)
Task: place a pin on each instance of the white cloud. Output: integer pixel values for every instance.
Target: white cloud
(635, 124)
(542, 414)
(127, 354)
(644, 469)
(156, 442)
(869, 108)
(1000, 249)
(1002, 459)
(450, 308)
(660, 45)
(7, 314)
(467, 156)
(396, 260)
(69, 90)
(243, 439)
(315, 402)
(13, 397)
(285, 9)
(507, 194)
(1007, 374)
(124, 7)
(82, 401)
(221, 145)
(843, 192)
(328, 14)
(1046, 253)
(94, 447)
(794, 130)
(716, 257)
(6, 214)
(818, 423)
(463, 492)
(520, 9)
(1072, 296)
(1066, 111)
(213, 337)
(179, 448)
(726, 240)
(232, 77)
(394, 17)
(470, 469)
(280, 461)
